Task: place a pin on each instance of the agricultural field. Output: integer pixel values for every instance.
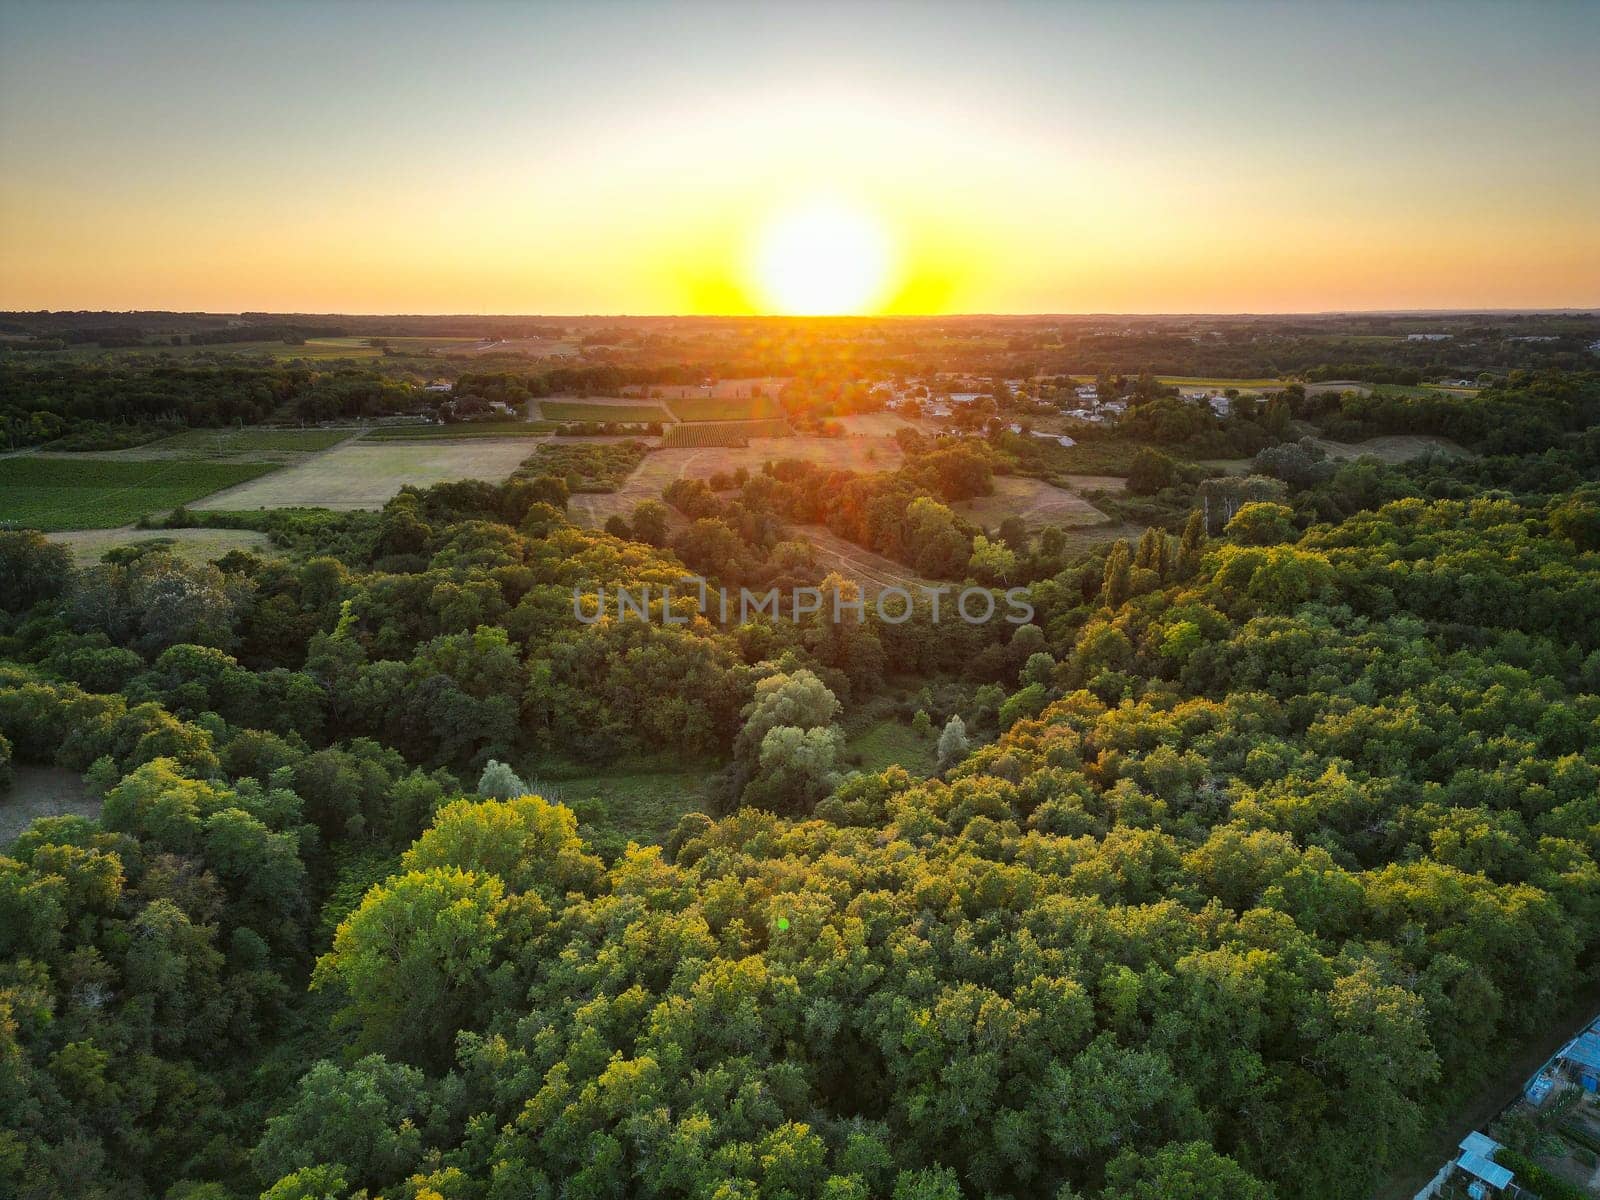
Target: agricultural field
(196, 545)
(722, 389)
(722, 433)
(52, 492)
(463, 431)
(723, 408)
(365, 474)
(1038, 504)
(234, 443)
(601, 410)
(662, 466)
(880, 424)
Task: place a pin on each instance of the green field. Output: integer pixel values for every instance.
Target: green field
(218, 442)
(1201, 381)
(720, 408)
(77, 493)
(616, 807)
(721, 433)
(577, 410)
(892, 743)
(475, 429)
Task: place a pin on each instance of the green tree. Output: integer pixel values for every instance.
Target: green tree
(412, 963)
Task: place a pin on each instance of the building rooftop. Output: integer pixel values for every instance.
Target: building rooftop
(1477, 1159)
(1584, 1051)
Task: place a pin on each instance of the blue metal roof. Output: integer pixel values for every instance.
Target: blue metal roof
(1585, 1052)
(1490, 1172)
(1477, 1158)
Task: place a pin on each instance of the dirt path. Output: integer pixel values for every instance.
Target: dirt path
(872, 571)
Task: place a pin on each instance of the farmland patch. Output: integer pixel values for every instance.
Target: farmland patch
(366, 474)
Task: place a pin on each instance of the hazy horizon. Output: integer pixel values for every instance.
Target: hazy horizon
(929, 159)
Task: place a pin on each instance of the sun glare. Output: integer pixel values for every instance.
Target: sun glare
(822, 259)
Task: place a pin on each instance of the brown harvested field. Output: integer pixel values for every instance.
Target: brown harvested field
(872, 571)
(881, 424)
(1395, 448)
(42, 792)
(197, 545)
(366, 474)
(661, 467)
(1038, 504)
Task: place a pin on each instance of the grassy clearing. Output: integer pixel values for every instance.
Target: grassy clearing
(724, 408)
(722, 433)
(892, 743)
(42, 792)
(577, 410)
(1038, 504)
(1394, 448)
(365, 474)
(661, 467)
(454, 433)
(586, 466)
(1202, 381)
(615, 807)
(40, 492)
(218, 443)
(197, 545)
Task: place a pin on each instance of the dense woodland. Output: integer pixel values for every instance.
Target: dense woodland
(1238, 860)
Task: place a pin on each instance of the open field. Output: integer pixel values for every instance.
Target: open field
(42, 792)
(892, 743)
(464, 431)
(1200, 381)
(723, 408)
(879, 424)
(1038, 504)
(601, 410)
(364, 474)
(53, 492)
(872, 571)
(615, 807)
(722, 433)
(198, 545)
(722, 389)
(662, 466)
(1394, 448)
(233, 443)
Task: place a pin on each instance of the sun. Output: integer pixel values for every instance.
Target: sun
(822, 258)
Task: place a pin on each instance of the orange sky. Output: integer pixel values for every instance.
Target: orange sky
(499, 158)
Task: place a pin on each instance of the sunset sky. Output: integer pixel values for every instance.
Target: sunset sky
(613, 158)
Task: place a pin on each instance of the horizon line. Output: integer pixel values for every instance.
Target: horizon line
(1575, 310)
